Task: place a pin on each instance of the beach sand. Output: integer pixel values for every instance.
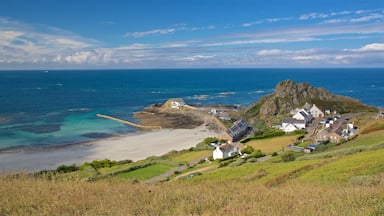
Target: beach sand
(133, 147)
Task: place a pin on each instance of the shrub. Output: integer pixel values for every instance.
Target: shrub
(300, 132)
(67, 168)
(258, 154)
(267, 133)
(274, 154)
(97, 164)
(288, 156)
(248, 150)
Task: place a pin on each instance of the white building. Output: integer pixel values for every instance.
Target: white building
(291, 124)
(313, 110)
(177, 103)
(303, 115)
(224, 151)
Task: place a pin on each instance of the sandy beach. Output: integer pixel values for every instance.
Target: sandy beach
(133, 147)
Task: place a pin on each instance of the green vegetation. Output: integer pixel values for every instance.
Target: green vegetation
(274, 144)
(146, 172)
(287, 156)
(204, 145)
(336, 179)
(266, 133)
(342, 169)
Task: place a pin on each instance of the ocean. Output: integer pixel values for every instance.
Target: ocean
(50, 108)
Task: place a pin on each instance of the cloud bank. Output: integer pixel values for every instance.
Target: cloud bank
(334, 39)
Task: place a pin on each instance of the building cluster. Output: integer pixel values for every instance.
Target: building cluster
(335, 130)
(301, 118)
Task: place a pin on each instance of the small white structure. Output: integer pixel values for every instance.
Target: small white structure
(177, 103)
(291, 124)
(303, 115)
(224, 151)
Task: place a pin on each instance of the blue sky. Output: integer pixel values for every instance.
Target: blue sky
(82, 34)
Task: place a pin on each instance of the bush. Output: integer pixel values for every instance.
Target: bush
(288, 156)
(97, 164)
(274, 154)
(67, 168)
(248, 150)
(258, 154)
(267, 133)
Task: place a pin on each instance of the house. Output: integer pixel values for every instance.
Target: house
(313, 110)
(291, 124)
(303, 115)
(224, 151)
(336, 133)
(177, 103)
(239, 129)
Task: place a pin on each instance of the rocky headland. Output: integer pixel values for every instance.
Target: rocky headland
(289, 95)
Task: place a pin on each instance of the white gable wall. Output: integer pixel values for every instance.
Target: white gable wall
(217, 153)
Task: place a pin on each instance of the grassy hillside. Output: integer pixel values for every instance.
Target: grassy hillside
(343, 179)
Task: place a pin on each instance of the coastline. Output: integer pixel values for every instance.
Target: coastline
(135, 146)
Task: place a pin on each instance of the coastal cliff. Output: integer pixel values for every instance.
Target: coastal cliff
(289, 95)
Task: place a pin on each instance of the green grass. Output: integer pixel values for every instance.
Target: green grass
(341, 169)
(246, 171)
(304, 144)
(147, 172)
(121, 167)
(364, 140)
(274, 144)
(191, 156)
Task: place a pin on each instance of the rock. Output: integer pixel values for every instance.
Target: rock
(289, 95)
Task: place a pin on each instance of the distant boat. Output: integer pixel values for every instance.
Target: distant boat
(45, 71)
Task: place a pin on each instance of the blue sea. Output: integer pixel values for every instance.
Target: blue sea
(47, 108)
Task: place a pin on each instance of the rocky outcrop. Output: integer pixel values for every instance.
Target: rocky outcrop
(289, 95)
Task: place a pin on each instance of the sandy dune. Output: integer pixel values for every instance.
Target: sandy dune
(134, 147)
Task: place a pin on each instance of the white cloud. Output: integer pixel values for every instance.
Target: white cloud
(270, 52)
(369, 47)
(313, 16)
(269, 20)
(69, 42)
(367, 18)
(150, 32)
(26, 43)
(169, 30)
(197, 58)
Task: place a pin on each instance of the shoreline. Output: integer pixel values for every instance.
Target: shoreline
(135, 146)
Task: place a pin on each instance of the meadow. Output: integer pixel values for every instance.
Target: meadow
(342, 179)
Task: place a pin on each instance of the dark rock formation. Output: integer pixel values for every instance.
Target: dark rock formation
(289, 95)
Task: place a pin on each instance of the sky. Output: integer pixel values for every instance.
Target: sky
(123, 34)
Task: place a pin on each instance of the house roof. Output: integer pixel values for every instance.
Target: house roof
(304, 114)
(238, 127)
(228, 147)
(307, 106)
(293, 121)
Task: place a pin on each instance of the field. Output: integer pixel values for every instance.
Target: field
(272, 144)
(23, 195)
(344, 179)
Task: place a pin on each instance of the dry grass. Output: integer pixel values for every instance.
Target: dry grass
(272, 144)
(24, 195)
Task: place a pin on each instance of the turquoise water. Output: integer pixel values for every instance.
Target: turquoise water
(59, 107)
